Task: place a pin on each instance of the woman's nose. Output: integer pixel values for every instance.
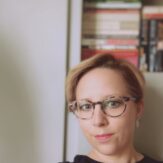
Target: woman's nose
(99, 117)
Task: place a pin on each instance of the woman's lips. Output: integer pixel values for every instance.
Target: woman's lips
(103, 137)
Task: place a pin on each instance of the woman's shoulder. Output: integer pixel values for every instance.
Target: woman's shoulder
(148, 159)
(86, 159)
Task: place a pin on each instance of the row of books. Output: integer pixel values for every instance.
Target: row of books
(126, 31)
(111, 27)
(151, 56)
(111, 22)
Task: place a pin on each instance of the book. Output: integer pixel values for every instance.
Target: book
(159, 61)
(144, 37)
(88, 36)
(111, 32)
(143, 66)
(113, 25)
(160, 30)
(111, 47)
(113, 4)
(144, 32)
(110, 41)
(151, 45)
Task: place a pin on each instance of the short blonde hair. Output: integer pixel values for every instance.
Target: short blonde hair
(134, 78)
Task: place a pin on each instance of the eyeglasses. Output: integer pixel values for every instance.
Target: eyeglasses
(113, 106)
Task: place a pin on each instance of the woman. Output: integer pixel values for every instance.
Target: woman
(106, 95)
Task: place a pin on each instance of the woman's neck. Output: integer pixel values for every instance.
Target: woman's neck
(128, 156)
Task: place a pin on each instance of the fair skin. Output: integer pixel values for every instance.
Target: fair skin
(111, 138)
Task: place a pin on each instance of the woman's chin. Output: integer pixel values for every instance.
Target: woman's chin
(104, 149)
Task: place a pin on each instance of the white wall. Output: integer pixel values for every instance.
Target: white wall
(149, 135)
(32, 71)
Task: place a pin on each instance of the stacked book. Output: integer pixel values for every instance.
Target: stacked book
(152, 39)
(111, 27)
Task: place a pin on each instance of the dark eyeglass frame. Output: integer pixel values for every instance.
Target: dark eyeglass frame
(123, 98)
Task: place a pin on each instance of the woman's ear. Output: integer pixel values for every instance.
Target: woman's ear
(140, 109)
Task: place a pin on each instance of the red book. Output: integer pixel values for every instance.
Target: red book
(153, 16)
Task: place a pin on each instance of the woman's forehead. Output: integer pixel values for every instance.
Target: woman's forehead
(101, 82)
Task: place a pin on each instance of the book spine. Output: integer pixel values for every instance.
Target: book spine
(159, 54)
(159, 61)
(110, 5)
(111, 11)
(144, 34)
(110, 47)
(88, 36)
(111, 32)
(153, 16)
(114, 25)
(110, 41)
(152, 44)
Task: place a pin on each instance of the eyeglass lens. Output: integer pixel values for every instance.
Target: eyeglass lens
(112, 107)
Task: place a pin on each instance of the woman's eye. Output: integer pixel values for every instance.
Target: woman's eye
(112, 104)
(85, 107)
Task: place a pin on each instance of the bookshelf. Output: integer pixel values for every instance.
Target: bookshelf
(125, 30)
(111, 27)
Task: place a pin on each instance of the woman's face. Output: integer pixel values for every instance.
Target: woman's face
(107, 135)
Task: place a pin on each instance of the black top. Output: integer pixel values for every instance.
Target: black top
(86, 159)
